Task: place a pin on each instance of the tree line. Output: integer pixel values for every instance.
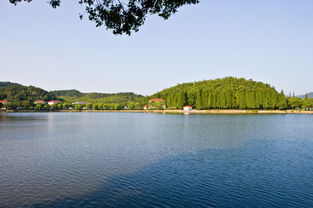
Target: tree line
(27, 105)
(22, 98)
(230, 93)
(226, 93)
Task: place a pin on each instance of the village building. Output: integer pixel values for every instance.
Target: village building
(4, 101)
(53, 102)
(156, 103)
(80, 103)
(187, 108)
(145, 107)
(40, 102)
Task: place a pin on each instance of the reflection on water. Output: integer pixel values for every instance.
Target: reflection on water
(155, 160)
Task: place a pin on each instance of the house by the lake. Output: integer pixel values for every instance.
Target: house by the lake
(156, 103)
(187, 108)
(53, 102)
(4, 101)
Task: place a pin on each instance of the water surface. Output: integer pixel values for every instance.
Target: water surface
(155, 160)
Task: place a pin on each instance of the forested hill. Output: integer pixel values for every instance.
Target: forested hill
(67, 93)
(75, 95)
(17, 92)
(4, 84)
(226, 93)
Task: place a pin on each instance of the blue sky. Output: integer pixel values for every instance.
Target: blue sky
(263, 40)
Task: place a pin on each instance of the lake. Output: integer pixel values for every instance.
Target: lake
(56, 160)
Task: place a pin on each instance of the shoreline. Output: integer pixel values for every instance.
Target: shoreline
(176, 111)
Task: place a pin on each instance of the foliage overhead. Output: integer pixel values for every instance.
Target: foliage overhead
(124, 16)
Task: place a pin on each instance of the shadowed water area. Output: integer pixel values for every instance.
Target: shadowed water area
(52, 160)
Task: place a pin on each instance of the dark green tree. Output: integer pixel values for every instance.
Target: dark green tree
(95, 106)
(308, 104)
(295, 102)
(181, 99)
(124, 16)
(89, 106)
(226, 93)
(199, 104)
(282, 101)
(39, 106)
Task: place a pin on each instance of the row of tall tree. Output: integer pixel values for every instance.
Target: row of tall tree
(27, 105)
(289, 103)
(229, 93)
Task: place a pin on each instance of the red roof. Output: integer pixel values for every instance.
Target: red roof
(40, 101)
(156, 99)
(188, 106)
(55, 101)
(4, 101)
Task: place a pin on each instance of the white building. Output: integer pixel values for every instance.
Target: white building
(187, 108)
(53, 102)
(80, 103)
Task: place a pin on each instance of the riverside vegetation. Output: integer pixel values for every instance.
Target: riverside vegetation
(226, 93)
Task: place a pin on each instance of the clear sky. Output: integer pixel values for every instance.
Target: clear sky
(263, 40)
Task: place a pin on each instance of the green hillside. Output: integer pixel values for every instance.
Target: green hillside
(67, 93)
(17, 92)
(226, 93)
(75, 95)
(3, 84)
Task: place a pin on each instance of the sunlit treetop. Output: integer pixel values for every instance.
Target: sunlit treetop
(124, 16)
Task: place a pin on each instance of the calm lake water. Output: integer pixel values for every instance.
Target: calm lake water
(56, 160)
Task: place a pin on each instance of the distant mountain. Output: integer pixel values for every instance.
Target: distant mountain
(17, 92)
(75, 95)
(310, 95)
(67, 93)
